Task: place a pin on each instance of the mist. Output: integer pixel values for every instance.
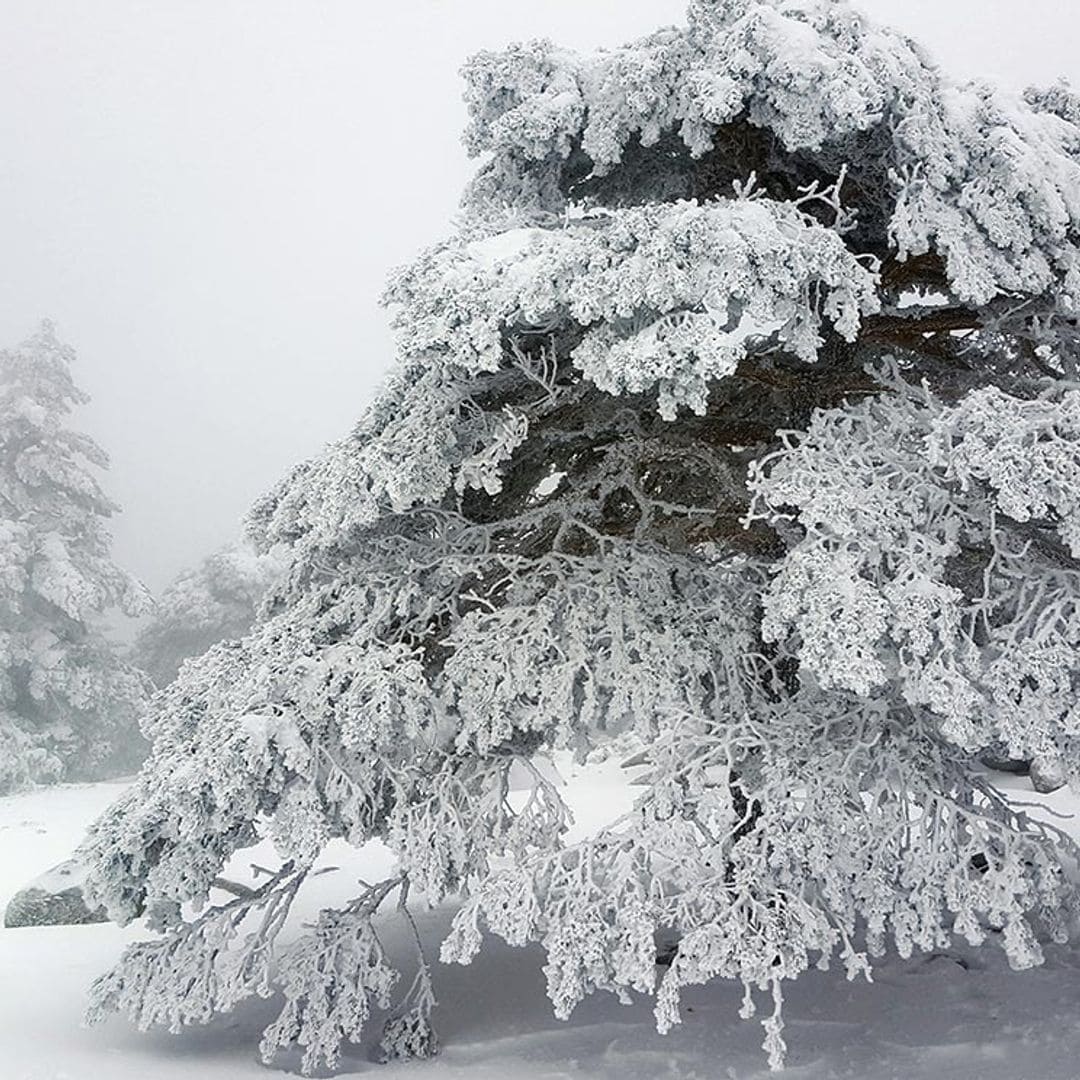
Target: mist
(207, 197)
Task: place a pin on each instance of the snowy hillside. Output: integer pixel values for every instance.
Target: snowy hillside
(959, 1016)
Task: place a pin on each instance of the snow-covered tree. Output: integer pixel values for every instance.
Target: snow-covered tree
(69, 706)
(742, 411)
(215, 601)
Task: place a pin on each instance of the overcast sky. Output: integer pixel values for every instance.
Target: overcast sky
(206, 196)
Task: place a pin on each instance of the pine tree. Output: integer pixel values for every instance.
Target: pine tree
(68, 704)
(212, 602)
(742, 412)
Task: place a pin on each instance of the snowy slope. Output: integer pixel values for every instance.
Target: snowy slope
(962, 1016)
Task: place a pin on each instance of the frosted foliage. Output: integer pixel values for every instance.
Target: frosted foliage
(894, 496)
(839, 618)
(482, 470)
(423, 437)
(991, 183)
(329, 981)
(669, 296)
(1028, 452)
(215, 601)
(68, 703)
(763, 885)
(22, 762)
(773, 58)
(738, 418)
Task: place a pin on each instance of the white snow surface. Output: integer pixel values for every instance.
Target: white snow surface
(962, 1015)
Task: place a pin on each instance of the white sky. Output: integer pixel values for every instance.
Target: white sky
(207, 194)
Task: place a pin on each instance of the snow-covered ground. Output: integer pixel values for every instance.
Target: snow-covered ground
(960, 1016)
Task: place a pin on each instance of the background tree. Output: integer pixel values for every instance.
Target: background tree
(68, 705)
(742, 411)
(215, 601)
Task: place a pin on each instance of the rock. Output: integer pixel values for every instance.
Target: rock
(996, 757)
(1047, 774)
(54, 899)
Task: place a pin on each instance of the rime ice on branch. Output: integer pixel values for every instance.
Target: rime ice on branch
(741, 413)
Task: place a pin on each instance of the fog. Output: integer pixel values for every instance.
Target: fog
(206, 196)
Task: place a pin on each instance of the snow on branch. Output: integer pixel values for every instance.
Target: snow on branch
(670, 297)
(990, 180)
(923, 525)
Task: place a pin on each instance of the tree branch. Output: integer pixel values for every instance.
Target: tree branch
(907, 331)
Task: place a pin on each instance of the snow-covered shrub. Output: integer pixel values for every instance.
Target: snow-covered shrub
(69, 706)
(214, 601)
(741, 414)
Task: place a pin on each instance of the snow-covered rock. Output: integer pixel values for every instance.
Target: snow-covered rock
(1047, 774)
(54, 899)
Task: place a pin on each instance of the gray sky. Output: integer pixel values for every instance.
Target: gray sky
(207, 194)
